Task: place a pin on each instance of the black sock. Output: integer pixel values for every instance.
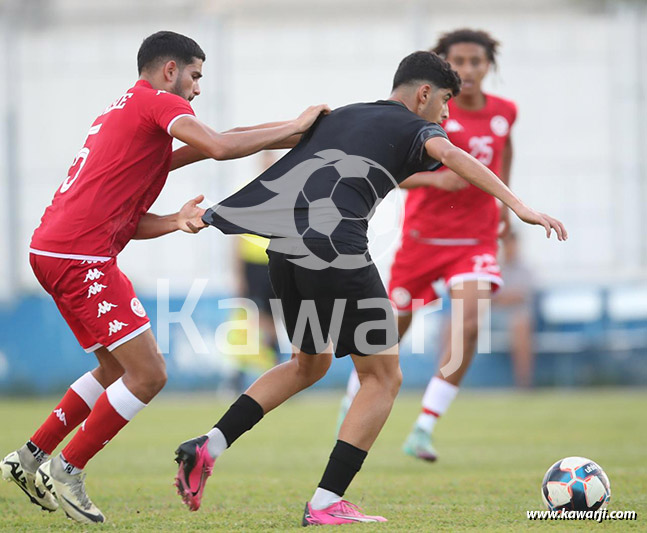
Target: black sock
(242, 416)
(345, 461)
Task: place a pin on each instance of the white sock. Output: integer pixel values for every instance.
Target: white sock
(323, 498)
(123, 401)
(426, 422)
(435, 402)
(216, 443)
(353, 386)
(88, 388)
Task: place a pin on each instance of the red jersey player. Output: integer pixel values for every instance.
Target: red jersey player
(101, 205)
(450, 228)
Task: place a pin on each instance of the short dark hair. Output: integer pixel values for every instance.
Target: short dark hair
(427, 66)
(167, 45)
(466, 35)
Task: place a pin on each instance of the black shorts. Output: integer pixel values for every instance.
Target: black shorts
(349, 307)
(259, 288)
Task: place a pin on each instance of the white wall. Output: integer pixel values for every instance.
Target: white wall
(574, 70)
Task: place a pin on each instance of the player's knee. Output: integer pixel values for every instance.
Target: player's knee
(320, 367)
(154, 378)
(160, 380)
(154, 383)
(387, 378)
(109, 375)
(160, 376)
(312, 368)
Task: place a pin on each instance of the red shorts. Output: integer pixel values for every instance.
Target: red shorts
(417, 265)
(96, 299)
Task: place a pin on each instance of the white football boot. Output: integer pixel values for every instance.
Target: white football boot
(20, 467)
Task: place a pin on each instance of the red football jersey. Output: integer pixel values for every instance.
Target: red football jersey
(469, 215)
(115, 177)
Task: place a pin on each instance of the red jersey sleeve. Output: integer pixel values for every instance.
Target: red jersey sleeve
(511, 108)
(164, 108)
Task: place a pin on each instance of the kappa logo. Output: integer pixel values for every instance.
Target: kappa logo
(96, 288)
(486, 263)
(93, 275)
(60, 414)
(452, 126)
(137, 308)
(115, 326)
(105, 307)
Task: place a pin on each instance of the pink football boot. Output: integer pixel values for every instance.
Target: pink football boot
(196, 466)
(342, 512)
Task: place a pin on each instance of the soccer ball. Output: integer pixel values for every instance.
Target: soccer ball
(575, 484)
(320, 198)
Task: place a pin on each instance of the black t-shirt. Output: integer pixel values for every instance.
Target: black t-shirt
(328, 186)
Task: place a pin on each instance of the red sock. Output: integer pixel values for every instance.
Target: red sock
(69, 413)
(102, 425)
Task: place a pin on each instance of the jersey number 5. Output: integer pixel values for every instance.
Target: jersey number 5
(79, 162)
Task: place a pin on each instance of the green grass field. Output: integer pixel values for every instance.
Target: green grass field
(494, 449)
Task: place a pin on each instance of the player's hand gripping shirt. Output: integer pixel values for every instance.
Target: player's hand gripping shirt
(115, 177)
(436, 216)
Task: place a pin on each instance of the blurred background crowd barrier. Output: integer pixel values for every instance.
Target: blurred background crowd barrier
(576, 69)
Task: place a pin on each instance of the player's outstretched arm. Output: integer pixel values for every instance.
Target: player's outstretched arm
(187, 219)
(478, 174)
(186, 155)
(222, 146)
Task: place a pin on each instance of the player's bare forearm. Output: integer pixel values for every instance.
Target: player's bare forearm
(506, 161)
(506, 165)
(152, 226)
(188, 219)
(290, 142)
(186, 155)
(445, 179)
(482, 177)
(235, 144)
